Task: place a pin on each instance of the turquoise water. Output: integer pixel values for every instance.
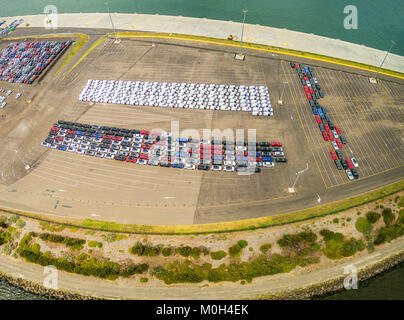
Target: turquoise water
(379, 21)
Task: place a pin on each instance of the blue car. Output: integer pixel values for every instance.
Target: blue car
(314, 110)
(178, 165)
(320, 112)
(63, 148)
(80, 133)
(97, 135)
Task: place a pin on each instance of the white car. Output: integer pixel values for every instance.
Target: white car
(3, 105)
(268, 164)
(216, 168)
(189, 166)
(349, 174)
(355, 163)
(44, 144)
(228, 168)
(141, 161)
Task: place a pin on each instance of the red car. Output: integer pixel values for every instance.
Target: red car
(308, 96)
(339, 143)
(116, 138)
(144, 156)
(331, 136)
(338, 130)
(144, 132)
(276, 144)
(55, 129)
(306, 89)
(333, 155)
(106, 136)
(146, 146)
(325, 135)
(327, 128)
(349, 163)
(318, 118)
(59, 138)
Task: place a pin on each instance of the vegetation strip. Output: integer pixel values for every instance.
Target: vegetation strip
(262, 47)
(233, 226)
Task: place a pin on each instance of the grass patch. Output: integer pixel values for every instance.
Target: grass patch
(237, 249)
(147, 249)
(93, 244)
(363, 225)
(265, 247)
(373, 216)
(83, 39)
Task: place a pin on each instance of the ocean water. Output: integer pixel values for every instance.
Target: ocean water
(379, 21)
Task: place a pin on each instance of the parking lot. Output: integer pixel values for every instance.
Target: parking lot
(371, 120)
(73, 185)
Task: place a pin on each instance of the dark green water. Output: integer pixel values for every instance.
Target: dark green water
(379, 21)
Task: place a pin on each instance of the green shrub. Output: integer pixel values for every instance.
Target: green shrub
(184, 251)
(300, 243)
(5, 237)
(147, 249)
(401, 216)
(135, 269)
(196, 253)
(388, 233)
(363, 225)
(337, 248)
(388, 216)
(205, 251)
(82, 256)
(335, 220)
(20, 224)
(235, 250)
(13, 218)
(144, 280)
(242, 243)
(166, 251)
(72, 243)
(3, 222)
(93, 244)
(218, 255)
(372, 216)
(315, 247)
(8, 248)
(265, 247)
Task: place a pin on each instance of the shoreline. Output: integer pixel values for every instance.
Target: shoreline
(258, 34)
(316, 291)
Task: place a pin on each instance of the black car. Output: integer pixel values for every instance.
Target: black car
(344, 164)
(342, 139)
(203, 167)
(257, 170)
(292, 65)
(355, 173)
(281, 160)
(339, 154)
(120, 158)
(337, 163)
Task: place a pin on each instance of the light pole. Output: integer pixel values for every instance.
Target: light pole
(292, 188)
(240, 55)
(374, 79)
(280, 102)
(112, 23)
(26, 166)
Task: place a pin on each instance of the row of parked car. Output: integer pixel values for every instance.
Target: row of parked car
(254, 99)
(161, 149)
(3, 103)
(329, 131)
(23, 62)
(11, 26)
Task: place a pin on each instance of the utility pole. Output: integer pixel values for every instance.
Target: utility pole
(240, 55)
(112, 23)
(374, 79)
(280, 101)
